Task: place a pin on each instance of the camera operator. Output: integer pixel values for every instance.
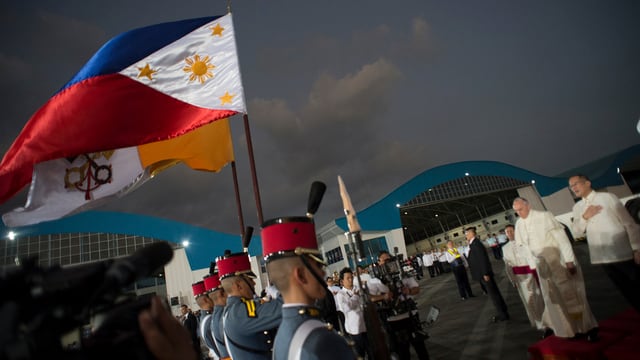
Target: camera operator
(165, 337)
(399, 310)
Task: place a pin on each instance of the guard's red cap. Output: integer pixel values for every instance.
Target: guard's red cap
(198, 288)
(211, 282)
(288, 236)
(234, 265)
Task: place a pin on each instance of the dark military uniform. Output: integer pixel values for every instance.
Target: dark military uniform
(319, 343)
(217, 331)
(250, 326)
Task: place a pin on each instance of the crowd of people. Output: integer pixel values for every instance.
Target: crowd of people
(539, 263)
(292, 319)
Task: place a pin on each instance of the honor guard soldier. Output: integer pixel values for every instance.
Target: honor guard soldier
(296, 269)
(214, 326)
(249, 324)
(189, 320)
(206, 308)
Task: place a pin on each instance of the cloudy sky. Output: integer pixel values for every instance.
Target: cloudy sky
(374, 91)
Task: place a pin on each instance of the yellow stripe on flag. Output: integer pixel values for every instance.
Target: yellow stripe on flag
(207, 148)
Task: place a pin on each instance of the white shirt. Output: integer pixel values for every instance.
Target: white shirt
(427, 260)
(436, 256)
(465, 250)
(612, 234)
(376, 287)
(272, 292)
(349, 302)
(502, 238)
(442, 256)
(364, 277)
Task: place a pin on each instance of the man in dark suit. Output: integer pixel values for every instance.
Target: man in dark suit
(190, 322)
(482, 272)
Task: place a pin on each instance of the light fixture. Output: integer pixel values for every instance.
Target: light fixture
(11, 235)
(185, 243)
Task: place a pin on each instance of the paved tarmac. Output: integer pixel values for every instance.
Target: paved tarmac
(464, 329)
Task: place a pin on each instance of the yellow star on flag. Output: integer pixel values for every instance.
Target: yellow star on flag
(226, 98)
(217, 30)
(146, 71)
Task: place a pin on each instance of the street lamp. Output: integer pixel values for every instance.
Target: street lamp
(12, 236)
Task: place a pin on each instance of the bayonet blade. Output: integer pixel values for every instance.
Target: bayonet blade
(349, 211)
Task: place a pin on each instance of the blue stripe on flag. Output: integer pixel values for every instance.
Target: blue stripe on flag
(131, 46)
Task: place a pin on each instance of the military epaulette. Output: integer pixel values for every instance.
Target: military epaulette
(313, 312)
(251, 307)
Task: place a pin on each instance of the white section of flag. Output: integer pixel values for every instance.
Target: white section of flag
(50, 200)
(171, 79)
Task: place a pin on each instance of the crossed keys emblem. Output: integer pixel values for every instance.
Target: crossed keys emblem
(90, 175)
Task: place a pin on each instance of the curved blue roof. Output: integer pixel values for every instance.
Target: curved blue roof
(204, 244)
(384, 214)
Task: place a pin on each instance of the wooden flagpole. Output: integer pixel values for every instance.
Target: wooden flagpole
(238, 202)
(252, 164)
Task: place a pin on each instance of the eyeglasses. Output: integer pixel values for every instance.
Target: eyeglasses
(576, 183)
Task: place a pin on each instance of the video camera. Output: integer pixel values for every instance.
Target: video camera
(391, 273)
(38, 307)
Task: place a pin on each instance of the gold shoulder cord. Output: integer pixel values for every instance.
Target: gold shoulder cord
(251, 307)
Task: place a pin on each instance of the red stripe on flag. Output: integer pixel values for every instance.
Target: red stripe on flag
(101, 113)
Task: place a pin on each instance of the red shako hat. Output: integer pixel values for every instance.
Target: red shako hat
(212, 282)
(198, 289)
(234, 265)
(290, 236)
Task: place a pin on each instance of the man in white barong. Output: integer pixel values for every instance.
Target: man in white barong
(524, 278)
(612, 234)
(427, 261)
(567, 310)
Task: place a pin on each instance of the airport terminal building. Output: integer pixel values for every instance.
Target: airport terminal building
(422, 214)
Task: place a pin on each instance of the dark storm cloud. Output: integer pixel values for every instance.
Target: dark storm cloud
(41, 53)
(335, 129)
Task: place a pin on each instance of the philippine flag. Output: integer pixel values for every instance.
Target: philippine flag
(145, 85)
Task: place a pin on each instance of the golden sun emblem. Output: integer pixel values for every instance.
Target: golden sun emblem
(200, 68)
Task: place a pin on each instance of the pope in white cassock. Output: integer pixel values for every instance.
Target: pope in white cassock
(567, 310)
(524, 278)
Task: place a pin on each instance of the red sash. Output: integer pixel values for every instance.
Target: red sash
(524, 270)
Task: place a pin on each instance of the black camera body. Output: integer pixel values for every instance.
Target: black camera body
(391, 274)
(39, 306)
